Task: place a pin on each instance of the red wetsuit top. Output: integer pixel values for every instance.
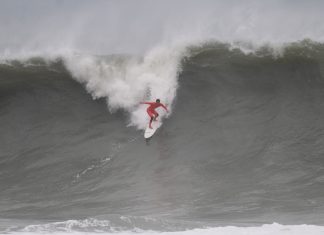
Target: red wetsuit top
(151, 109)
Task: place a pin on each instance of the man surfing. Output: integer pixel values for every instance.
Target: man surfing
(151, 110)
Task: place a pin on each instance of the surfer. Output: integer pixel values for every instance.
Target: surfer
(151, 110)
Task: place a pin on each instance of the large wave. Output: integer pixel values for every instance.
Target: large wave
(141, 48)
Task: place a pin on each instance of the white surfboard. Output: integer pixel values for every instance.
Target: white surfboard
(150, 132)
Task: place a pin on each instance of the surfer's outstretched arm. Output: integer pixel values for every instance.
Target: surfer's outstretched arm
(149, 103)
(163, 106)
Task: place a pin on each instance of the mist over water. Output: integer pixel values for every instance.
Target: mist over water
(242, 145)
(106, 27)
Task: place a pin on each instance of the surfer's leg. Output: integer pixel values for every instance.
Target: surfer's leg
(150, 125)
(156, 115)
(150, 113)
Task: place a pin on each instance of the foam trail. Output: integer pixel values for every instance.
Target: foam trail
(125, 81)
(99, 226)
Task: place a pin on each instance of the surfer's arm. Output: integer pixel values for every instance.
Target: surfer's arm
(149, 103)
(163, 106)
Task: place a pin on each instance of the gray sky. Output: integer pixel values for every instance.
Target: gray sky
(128, 26)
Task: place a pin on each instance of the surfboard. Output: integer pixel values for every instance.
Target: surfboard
(150, 132)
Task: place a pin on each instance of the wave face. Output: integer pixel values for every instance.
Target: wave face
(243, 145)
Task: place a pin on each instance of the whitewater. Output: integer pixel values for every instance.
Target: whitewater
(239, 153)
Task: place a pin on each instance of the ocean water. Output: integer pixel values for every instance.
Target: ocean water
(241, 151)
